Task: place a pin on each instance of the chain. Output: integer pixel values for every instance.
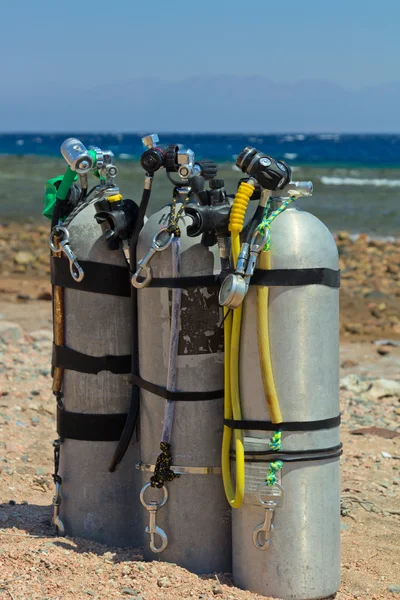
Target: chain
(162, 470)
(173, 226)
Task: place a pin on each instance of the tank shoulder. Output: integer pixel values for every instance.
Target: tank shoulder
(300, 238)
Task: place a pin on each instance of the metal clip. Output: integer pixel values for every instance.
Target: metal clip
(56, 504)
(143, 264)
(63, 246)
(153, 529)
(264, 529)
(258, 242)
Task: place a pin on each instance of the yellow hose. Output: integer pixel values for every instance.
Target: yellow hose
(264, 346)
(232, 327)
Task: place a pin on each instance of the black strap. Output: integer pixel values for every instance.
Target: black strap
(100, 278)
(72, 360)
(88, 427)
(294, 277)
(287, 426)
(294, 455)
(175, 396)
(272, 277)
(185, 282)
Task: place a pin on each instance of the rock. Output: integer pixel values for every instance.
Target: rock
(343, 526)
(384, 387)
(347, 364)
(388, 434)
(383, 350)
(355, 328)
(41, 335)
(44, 296)
(163, 582)
(354, 383)
(395, 589)
(12, 502)
(24, 297)
(23, 258)
(130, 591)
(217, 589)
(10, 332)
(386, 455)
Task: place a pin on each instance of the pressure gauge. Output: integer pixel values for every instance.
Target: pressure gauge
(232, 291)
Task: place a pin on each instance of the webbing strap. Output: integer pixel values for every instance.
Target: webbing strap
(100, 278)
(185, 282)
(72, 360)
(175, 396)
(295, 277)
(293, 455)
(90, 427)
(271, 278)
(286, 426)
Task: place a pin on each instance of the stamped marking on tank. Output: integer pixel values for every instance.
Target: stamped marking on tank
(199, 306)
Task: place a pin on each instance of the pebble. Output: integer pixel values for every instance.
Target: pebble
(10, 332)
(130, 591)
(386, 455)
(41, 335)
(163, 582)
(354, 383)
(395, 589)
(23, 258)
(217, 589)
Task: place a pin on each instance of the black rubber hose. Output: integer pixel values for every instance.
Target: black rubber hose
(133, 412)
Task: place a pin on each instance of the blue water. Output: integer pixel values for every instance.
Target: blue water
(373, 151)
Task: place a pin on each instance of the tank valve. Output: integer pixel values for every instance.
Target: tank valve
(77, 156)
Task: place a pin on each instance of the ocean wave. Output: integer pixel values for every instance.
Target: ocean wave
(290, 155)
(356, 181)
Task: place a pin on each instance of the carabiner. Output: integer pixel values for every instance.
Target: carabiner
(63, 246)
(266, 527)
(153, 529)
(56, 504)
(143, 264)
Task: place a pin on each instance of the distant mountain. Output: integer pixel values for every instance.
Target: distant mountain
(204, 104)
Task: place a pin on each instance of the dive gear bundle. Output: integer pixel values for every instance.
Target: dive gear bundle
(275, 268)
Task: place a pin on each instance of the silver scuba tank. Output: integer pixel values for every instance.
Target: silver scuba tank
(91, 358)
(289, 548)
(195, 522)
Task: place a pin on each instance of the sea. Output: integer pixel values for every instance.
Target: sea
(356, 177)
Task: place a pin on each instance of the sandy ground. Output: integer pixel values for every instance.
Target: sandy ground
(34, 564)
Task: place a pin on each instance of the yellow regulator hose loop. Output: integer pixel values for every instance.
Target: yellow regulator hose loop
(264, 352)
(232, 325)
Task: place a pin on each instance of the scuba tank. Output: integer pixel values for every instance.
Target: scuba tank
(181, 377)
(281, 330)
(91, 358)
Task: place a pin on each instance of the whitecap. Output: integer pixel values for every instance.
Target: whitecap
(356, 181)
(290, 155)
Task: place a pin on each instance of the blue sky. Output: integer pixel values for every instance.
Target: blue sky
(49, 47)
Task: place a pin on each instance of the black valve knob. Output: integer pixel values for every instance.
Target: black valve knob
(152, 160)
(270, 173)
(216, 184)
(208, 168)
